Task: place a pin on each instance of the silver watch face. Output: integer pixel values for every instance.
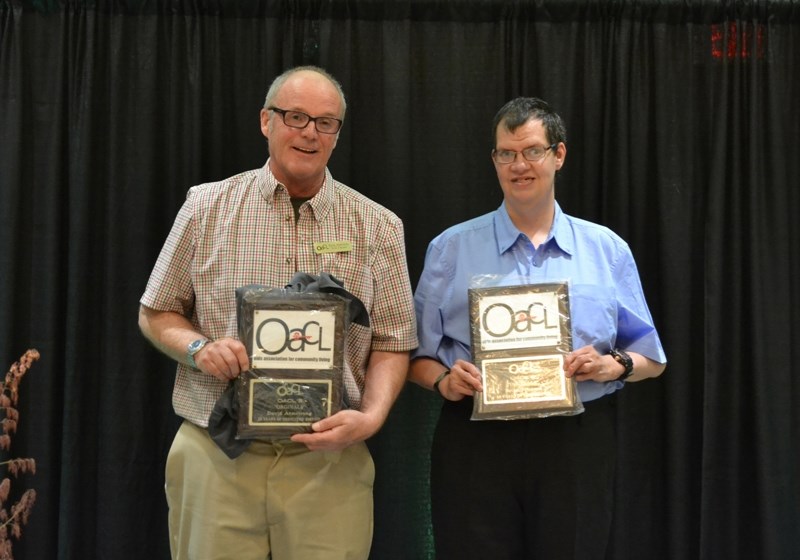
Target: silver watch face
(196, 345)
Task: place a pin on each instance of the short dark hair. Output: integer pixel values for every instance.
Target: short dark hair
(518, 111)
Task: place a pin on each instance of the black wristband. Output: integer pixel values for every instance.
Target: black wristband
(624, 359)
(442, 375)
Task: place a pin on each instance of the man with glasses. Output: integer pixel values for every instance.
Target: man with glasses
(535, 487)
(309, 497)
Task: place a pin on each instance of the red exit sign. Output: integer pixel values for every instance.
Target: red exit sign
(738, 40)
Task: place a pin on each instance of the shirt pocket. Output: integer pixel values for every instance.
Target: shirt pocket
(356, 277)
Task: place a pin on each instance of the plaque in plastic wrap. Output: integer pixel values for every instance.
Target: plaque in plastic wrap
(520, 335)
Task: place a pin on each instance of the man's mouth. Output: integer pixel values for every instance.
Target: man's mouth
(522, 180)
(305, 150)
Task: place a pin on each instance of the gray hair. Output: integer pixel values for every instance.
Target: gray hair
(278, 82)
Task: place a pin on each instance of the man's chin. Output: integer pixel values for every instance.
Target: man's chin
(310, 176)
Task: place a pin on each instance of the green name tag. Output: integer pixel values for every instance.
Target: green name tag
(322, 247)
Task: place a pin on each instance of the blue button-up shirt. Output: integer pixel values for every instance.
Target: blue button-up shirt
(607, 305)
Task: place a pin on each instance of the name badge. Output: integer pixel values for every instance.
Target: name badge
(323, 247)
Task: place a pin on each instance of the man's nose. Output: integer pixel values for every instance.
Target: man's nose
(310, 130)
(519, 161)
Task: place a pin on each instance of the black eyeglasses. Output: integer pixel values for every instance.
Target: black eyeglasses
(535, 153)
(296, 119)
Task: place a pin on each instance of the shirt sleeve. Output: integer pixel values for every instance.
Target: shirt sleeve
(635, 328)
(392, 317)
(429, 297)
(170, 285)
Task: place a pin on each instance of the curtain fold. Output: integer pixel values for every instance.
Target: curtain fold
(682, 123)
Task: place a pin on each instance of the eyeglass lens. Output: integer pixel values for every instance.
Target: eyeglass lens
(534, 153)
(296, 119)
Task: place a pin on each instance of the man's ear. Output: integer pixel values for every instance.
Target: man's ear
(561, 155)
(265, 124)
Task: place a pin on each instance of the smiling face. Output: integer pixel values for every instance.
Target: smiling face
(298, 156)
(528, 187)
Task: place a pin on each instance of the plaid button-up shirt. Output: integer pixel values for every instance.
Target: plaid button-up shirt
(242, 231)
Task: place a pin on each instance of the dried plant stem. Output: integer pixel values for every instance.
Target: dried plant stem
(14, 518)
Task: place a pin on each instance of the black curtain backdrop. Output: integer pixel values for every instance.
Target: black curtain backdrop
(683, 119)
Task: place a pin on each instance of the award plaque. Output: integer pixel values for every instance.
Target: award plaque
(295, 342)
(520, 335)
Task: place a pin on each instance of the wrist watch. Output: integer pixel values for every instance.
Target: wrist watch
(442, 375)
(193, 348)
(624, 359)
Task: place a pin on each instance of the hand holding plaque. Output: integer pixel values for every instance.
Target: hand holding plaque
(520, 335)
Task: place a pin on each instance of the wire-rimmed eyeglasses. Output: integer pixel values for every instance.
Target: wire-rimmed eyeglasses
(296, 119)
(534, 154)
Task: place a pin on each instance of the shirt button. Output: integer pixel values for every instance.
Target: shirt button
(288, 260)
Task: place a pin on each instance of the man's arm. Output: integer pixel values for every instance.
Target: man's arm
(172, 333)
(386, 375)
(462, 380)
(644, 367)
(586, 363)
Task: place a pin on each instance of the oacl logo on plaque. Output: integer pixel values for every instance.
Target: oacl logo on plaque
(293, 339)
(526, 320)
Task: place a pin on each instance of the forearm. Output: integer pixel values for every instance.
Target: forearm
(386, 376)
(644, 367)
(425, 371)
(169, 332)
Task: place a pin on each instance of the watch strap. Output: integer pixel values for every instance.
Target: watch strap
(625, 360)
(193, 348)
(439, 379)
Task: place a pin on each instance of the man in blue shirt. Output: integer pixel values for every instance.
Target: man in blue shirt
(543, 487)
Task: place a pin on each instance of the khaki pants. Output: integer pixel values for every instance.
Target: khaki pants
(272, 502)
